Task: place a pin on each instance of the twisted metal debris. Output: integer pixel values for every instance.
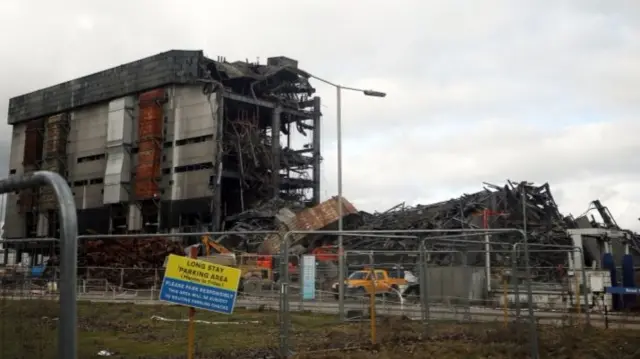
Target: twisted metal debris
(510, 206)
(519, 205)
(545, 224)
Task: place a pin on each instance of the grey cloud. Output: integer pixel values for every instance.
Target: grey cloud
(467, 82)
(585, 162)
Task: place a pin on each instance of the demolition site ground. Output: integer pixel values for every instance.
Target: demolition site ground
(28, 330)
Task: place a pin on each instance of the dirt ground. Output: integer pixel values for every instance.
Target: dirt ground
(28, 330)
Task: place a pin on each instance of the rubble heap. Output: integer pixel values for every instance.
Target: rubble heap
(516, 205)
(139, 257)
(262, 217)
(510, 206)
(513, 206)
(545, 223)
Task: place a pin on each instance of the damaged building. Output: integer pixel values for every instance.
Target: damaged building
(179, 142)
(514, 205)
(170, 143)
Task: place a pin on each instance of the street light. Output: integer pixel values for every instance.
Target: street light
(374, 93)
(341, 264)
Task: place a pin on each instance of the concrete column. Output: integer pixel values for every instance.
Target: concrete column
(134, 221)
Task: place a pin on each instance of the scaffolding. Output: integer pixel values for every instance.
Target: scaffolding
(32, 155)
(148, 170)
(56, 137)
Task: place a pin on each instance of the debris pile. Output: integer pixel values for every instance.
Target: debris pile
(545, 224)
(262, 217)
(516, 205)
(139, 257)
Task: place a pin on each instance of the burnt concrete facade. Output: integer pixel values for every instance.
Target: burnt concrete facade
(171, 67)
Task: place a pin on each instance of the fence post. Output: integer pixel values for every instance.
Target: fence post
(284, 297)
(372, 300)
(585, 294)
(514, 280)
(301, 281)
(467, 280)
(191, 335)
(67, 331)
(423, 282)
(505, 299)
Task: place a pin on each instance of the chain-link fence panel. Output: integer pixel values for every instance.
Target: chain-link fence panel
(374, 287)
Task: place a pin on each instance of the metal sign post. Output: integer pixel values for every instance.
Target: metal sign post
(199, 284)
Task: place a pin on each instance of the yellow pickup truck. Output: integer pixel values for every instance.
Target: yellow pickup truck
(360, 283)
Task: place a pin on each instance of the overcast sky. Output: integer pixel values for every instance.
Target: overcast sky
(545, 91)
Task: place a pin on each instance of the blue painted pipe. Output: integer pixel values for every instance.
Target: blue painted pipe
(37, 271)
(628, 279)
(609, 264)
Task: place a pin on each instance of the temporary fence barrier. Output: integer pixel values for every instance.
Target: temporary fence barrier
(67, 327)
(179, 325)
(106, 294)
(579, 287)
(285, 307)
(111, 284)
(320, 294)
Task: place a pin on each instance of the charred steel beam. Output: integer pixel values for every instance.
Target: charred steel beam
(275, 150)
(254, 101)
(316, 150)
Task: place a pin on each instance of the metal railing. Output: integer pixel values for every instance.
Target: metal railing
(67, 331)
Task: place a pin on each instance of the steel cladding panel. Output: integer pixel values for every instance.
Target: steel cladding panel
(194, 184)
(89, 196)
(192, 153)
(17, 148)
(89, 169)
(93, 196)
(120, 121)
(89, 129)
(194, 114)
(14, 222)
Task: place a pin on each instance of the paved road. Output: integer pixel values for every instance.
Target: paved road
(440, 313)
(359, 308)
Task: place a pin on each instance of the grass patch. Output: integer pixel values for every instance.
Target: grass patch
(28, 329)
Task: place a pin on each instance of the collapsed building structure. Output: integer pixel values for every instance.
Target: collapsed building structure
(515, 205)
(170, 143)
